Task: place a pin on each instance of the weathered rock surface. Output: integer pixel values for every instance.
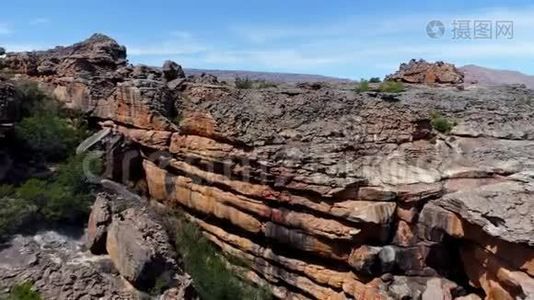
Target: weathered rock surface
(97, 226)
(172, 70)
(327, 193)
(420, 71)
(502, 210)
(140, 249)
(59, 269)
(9, 104)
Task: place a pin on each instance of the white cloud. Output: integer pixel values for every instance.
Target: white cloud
(177, 43)
(15, 47)
(280, 58)
(354, 46)
(39, 21)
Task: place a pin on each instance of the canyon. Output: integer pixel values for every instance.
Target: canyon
(323, 192)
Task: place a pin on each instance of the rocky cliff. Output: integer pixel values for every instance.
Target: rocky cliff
(324, 193)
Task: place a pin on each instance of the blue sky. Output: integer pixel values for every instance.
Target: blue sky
(341, 38)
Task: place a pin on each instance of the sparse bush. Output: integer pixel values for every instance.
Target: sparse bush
(441, 123)
(363, 86)
(23, 291)
(211, 277)
(374, 80)
(177, 119)
(263, 84)
(243, 83)
(391, 87)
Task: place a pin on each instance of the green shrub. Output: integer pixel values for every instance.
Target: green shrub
(47, 130)
(391, 87)
(33, 191)
(14, 213)
(363, 86)
(211, 277)
(48, 137)
(65, 197)
(34, 101)
(69, 195)
(23, 291)
(47, 133)
(374, 80)
(243, 83)
(441, 123)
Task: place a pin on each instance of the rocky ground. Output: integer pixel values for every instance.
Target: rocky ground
(326, 193)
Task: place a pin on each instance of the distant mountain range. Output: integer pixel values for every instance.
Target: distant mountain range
(482, 75)
(487, 76)
(230, 75)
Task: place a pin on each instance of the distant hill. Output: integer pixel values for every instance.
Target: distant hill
(482, 75)
(487, 76)
(230, 75)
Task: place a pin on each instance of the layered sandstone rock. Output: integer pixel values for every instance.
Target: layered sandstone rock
(420, 71)
(328, 194)
(140, 249)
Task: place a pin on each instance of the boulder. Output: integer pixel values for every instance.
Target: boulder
(97, 226)
(172, 70)
(424, 288)
(502, 210)
(364, 259)
(420, 71)
(140, 249)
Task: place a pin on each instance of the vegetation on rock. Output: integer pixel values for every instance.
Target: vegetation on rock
(441, 123)
(391, 87)
(47, 135)
(47, 130)
(212, 278)
(246, 83)
(64, 197)
(23, 291)
(363, 86)
(264, 84)
(243, 83)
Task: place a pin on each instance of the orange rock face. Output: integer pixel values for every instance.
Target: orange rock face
(427, 73)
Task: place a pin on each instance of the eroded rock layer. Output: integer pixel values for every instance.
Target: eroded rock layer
(325, 193)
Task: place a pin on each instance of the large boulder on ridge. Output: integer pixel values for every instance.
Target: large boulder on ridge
(421, 71)
(96, 54)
